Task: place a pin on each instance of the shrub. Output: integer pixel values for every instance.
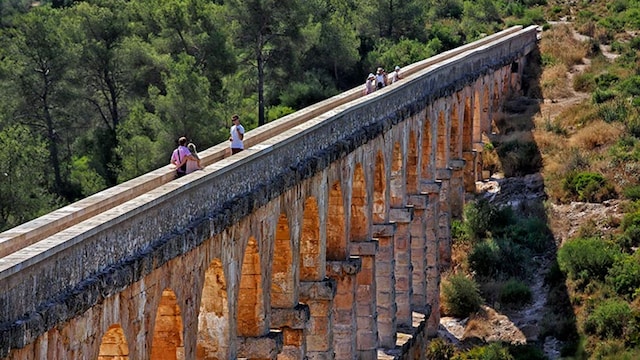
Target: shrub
(461, 296)
(438, 349)
(487, 259)
(532, 233)
(515, 292)
(520, 157)
(609, 319)
(526, 352)
(632, 192)
(588, 187)
(624, 275)
(481, 218)
(613, 111)
(586, 259)
(493, 351)
(584, 82)
(600, 96)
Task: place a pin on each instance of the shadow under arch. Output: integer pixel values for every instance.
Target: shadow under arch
(250, 305)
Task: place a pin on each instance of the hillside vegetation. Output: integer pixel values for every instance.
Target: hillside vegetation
(576, 126)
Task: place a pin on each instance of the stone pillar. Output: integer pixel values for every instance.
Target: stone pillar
(318, 295)
(444, 219)
(366, 324)
(403, 269)
(344, 309)
(469, 173)
(260, 347)
(418, 233)
(432, 189)
(385, 285)
(292, 323)
(456, 194)
(478, 165)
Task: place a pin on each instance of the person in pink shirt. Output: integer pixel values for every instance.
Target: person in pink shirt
(179, 157)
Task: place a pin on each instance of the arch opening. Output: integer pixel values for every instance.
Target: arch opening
(114, 344)
(168, 341)
(213, 318)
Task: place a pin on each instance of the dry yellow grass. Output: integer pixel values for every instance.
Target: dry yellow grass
(553, 82)
(560, 44)
(596, 134)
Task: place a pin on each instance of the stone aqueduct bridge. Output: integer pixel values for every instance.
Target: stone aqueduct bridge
(323, 241)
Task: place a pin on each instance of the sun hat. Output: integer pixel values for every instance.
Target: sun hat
(397, 67)
(371, 76)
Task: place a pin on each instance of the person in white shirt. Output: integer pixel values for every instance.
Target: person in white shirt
(237, 135)
(395, 75)
(369, 85)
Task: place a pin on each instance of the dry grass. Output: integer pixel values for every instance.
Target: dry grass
(560, 44)
(577, 115)
(596, 135)
(554, 83)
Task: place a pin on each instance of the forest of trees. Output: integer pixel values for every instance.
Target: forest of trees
(96, 92)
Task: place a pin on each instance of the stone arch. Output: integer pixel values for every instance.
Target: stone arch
(379, 190)
(114, 344)
(250, 305)
(454, 143)
(168, 341)
(397, 179)
(336, 241)
(359, 215)
(427, 152)
(477, 117)
(441, 149)
(310, 245)
(282, 266)
(467, 126)
(412, 164)
(213, 319)
(486, 110)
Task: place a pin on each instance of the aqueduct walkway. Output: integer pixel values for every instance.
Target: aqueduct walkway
(324, 239)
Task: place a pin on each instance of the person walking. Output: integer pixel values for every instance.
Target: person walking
(179, 157)
(237, 135)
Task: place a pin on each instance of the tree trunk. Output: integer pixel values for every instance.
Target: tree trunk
(261, 120)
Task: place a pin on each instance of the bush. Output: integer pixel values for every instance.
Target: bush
(519, 157)
(632, 192)
(624, 276)
(584, 82)
(461, 296)
(438, 349)
(493, 351)
(609, 319)
(487, 259)
(532, 233)
(515, 292)
(482, 218)
(586, 259)
(600, 96)
(588, 187)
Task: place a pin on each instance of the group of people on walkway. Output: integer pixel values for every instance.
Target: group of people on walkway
(380, 79)
(186, 159)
